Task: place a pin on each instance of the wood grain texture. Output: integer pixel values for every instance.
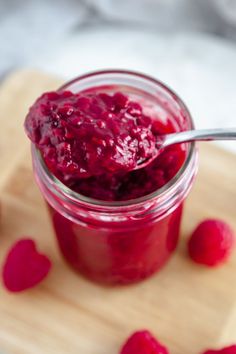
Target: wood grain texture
(185, 306)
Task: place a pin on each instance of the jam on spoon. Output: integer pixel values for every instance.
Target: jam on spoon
(94, 141)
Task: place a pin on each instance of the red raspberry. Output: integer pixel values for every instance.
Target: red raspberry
(24, 267)
(143, 342)
(227, 350)
(211, 242)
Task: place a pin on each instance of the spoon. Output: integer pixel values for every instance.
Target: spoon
(187, 136)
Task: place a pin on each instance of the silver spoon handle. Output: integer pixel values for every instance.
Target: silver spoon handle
(201, 134)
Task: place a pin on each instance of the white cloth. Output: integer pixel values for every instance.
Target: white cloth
(199, 14)
(31, 27)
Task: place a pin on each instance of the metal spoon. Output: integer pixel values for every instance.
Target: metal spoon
(187, 136)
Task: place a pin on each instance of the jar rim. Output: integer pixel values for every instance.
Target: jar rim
(74, 196)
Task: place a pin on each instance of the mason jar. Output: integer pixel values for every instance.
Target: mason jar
(121, 242)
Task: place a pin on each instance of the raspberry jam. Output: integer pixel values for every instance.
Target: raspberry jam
(92, 142)
(113, 225)
(90, 134)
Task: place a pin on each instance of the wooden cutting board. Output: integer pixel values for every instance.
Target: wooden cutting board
(186, 306)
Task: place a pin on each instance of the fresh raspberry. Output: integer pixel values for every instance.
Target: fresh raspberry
(142, 342)
(211, 242)
(227, 350)
(24, 267)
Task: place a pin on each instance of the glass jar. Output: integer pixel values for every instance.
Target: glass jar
(121, 242)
